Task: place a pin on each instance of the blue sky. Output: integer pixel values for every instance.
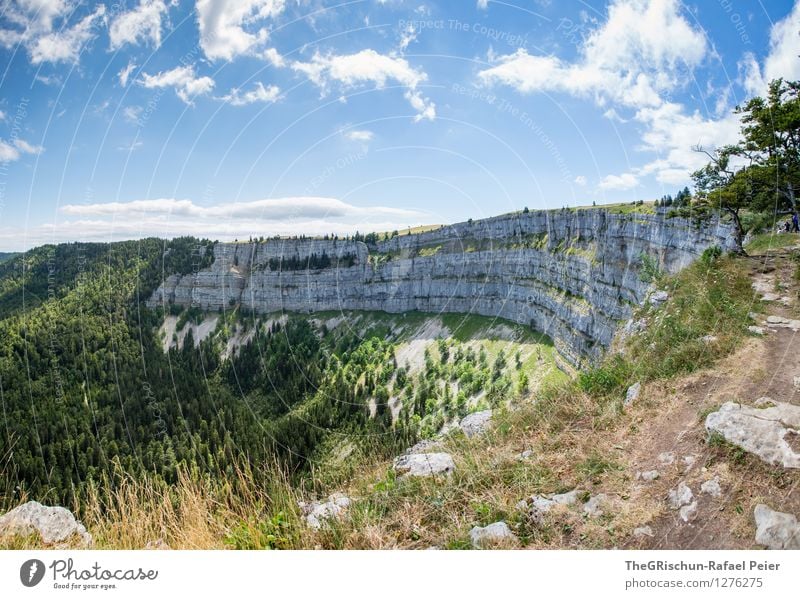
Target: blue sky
(227, 119)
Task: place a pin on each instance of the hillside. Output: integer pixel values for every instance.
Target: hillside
(233, 428)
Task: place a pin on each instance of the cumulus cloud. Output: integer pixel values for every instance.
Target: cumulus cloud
(183, 79)
(369, 67)
(11, 150)
(229, 28)
(643, 49)
(621, 182)
(142, 23)
(258, 94)
(781, 61)
(64, 45)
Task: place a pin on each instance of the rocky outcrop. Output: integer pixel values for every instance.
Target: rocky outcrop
(763, 431)
(571, 274)
(317, 512)
(54, 525)
(424, 464)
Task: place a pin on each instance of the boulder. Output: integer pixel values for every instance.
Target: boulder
(760, 431)
(776, 530)
(317, 512)
(54, 525)
(493, 534)
(632, 394)
(424, 464)
(475, 423)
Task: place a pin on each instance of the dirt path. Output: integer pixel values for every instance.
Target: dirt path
(674, 443)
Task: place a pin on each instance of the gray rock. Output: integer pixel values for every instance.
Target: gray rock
(541, 504)
(756, 330)
(680, 496)
(424, 464)
(157, 545)
(52, 524)
(475, 423)
(525, 455)
(760, 431)
(632, 394)
(423, 446)
(776, 530)
(643, 531)
(708, 339)
(659, 297)
(666, 458)
(523, 283)
(648, 476)
(688, 512)
(593, 507)
(317, 512)
(712, 487)
(486, 536)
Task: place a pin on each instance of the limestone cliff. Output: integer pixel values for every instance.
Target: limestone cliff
(572, 274)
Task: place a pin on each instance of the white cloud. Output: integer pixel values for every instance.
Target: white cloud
(258, 94)
(580, 180)
(621, 182)
(11, 150)
(360, 135)
(643, 49)
(64, 45)
(782, 59)
(483, 4)
(187, 85)
(125, 74)
(365, 67)
(131, 113)
(142, 23)
(222, 25)
(407, 35)
(171, 217)
(272, 56)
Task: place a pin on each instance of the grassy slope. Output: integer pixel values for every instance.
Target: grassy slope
(571, 426)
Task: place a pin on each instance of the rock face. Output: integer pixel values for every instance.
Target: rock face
(53, 524)
(776, 530)
(475, 423)
(424, 464)
(493, 534)
(764, 432)
(571, 274)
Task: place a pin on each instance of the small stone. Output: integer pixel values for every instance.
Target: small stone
(711, 487)
(541, 504)
(522, 505)
(424, 464)
(688, 512)
(756, 330)
(52, 524)
(643, 531)
(525, 455)
(485, 536)
(659, 297)
(708, 339)
(666, 458)
(632, 394)
(772, 319)
(796, 382)
(476, 423)
(776, 530)
(157, 545)
(689, 460)
(680, 496)
(648, 476)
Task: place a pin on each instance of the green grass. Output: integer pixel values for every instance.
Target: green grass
(771, 241)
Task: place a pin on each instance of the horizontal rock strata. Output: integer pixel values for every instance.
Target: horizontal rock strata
(571, 274)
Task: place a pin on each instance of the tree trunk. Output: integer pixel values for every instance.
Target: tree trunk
(738, 233)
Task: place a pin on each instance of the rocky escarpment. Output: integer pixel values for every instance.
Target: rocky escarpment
(571, 274)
